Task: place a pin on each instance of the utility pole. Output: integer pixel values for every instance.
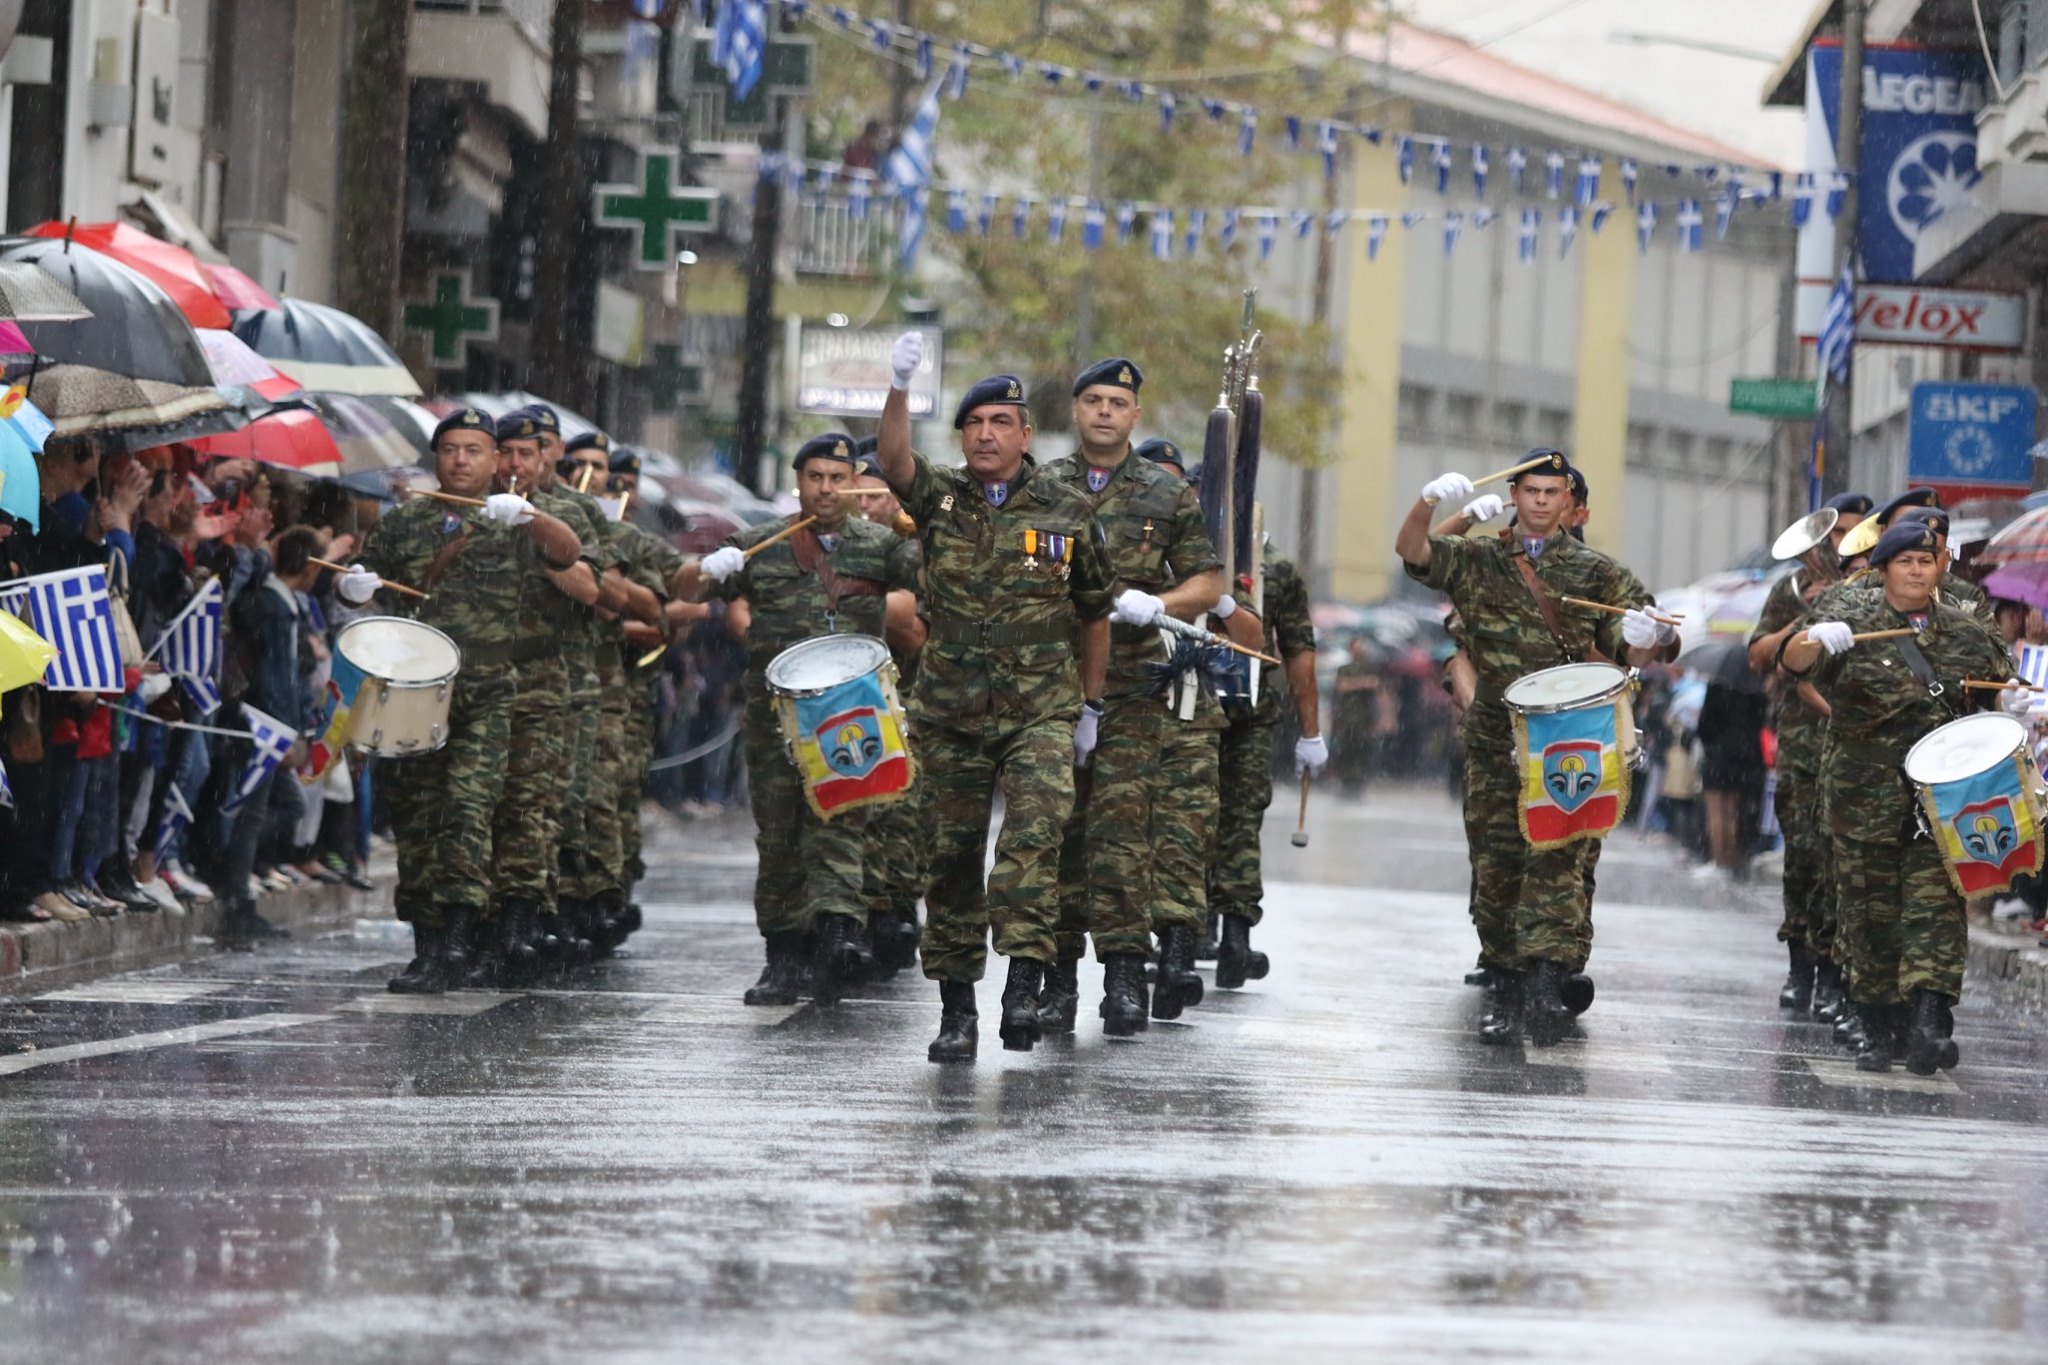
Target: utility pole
(757, 338)
(553, 363)
(1839, 433)
(373, 164)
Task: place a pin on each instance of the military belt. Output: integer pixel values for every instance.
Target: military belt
(998, 634)
(511, 652)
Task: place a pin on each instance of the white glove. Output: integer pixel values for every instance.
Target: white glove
(722, 564)
(1485, 507)
(1311, 755)
(1225, 608)
(2018, 702)
(508, 509)
(154, 685)
(357, 586)
(1645, 631)
(1447, 488)
(904, 358)
(1085, 730)
(1832, 636)
(1134, 608)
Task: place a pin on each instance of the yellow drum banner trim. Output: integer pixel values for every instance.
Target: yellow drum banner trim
(1575, 780)
(849, 744)
(1987, 826)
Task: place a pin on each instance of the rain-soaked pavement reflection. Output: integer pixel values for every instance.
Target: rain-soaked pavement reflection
(272, 1159)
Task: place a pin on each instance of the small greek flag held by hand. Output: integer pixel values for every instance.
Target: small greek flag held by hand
(74, 613)
(272, 740)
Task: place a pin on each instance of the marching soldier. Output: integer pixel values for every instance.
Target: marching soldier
(1015, 578)
(833, 576)
(1530, 906)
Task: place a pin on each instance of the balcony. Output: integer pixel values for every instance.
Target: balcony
(831, 241)
(501, 45)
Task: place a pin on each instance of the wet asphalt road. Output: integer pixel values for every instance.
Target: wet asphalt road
(270, 1159)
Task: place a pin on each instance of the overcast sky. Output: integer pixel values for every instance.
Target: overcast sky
(1713, 94)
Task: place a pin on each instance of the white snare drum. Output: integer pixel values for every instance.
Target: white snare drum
(814, 667)
(843, 724)
(1574, 687)
(401, 707)
(1975, 745)
(1981, 797)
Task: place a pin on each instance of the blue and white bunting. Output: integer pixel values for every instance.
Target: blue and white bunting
(1440, 161)
(1525, 236)
(1247, 130)
(1553, 175)
(1055, 220)
(1587, 188)
(1020, 218)
(986, 213)
(1567, 229)
(1126, 220)
(1092, 220)
(1630, 172)
(1198, 223)
(1601, 211)
(1375, 235)
(1291, 123)
(857, 190)
(1802, 198)
(956, 74)
(1326, 143)
(1304, 222)
(1227, 234)
(1646, 224)
(1518, 166)
(1404, 157)
(1454, 223)
(1162, 234)
(1689, 223)
(1479, 169)
(1334, 221)
(956, 210)
(1167, 104)
(1269, 228)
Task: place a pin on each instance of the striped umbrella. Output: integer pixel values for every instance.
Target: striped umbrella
(2024, 541)
(325, 349)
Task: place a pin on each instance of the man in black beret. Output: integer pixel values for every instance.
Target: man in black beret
(1163, 453)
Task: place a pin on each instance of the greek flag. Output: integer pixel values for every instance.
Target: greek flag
(1198, 224)
(1567, 229)
(1802, 198)
(1553, 174)
(1440, 161)
(1162, 234)
(1454, 223)
(909, 169)
(6, 792)
(176, 817)
(739, 42)
(1525, 239)
(1227, 234)
(2032, 665)
(1837, 332)
(1092, 221)
(73, 612)
(1247, 129)
(1479, 169)
(272, 741)
(1588, 188)
(1646, 225)
(1126, 220)
(189, 648)
(1404, 158)
(1055, 220)
(1269, 227)
(1326, 143)
(1630, 172)
(1689, 222)
(956, 210)
(1375, 235)
(1518, 162)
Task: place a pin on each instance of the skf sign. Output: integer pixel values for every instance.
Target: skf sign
(1907, 315)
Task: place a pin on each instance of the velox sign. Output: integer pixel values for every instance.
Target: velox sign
(1908, 315)
(844, 371)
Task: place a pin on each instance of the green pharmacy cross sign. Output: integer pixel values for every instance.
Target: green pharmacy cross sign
(451, 319)
(656, 209)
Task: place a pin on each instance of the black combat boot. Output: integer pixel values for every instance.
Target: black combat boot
(1123, 995)
(1020, 1027)
(607, 923)
(1236, 963)
(518, 963)
(1797, 994)
(1902, 1026)
(1179, 984)
(1500, 1012)
(1543, 1007)
(840, 963)
(1874, 1040)
(455, 930)
(427, 973)
(485, 965)
(1848, 1027)
(1480, 975)
(959, 1024)
(779, 977)
(1928, 1049)
(1059, 999)
(1212, 937)
(1576, 990)
(572, 925)
(1829, 1004)
(882, 932)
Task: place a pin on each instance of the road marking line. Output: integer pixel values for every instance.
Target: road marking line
(143, 1042)
(455, 1003)
(1832, 1071)
(119, 992)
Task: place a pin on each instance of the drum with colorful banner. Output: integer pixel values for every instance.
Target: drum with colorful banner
(843, 722)
(1575, 740)
(392, 686)
(1983, 797)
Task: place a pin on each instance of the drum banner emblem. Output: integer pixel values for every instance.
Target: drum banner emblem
(1986, 829)
(337, 707)
(1574, 782)
(850, 748)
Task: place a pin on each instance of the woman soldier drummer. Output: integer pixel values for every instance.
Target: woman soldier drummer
(1901, 937)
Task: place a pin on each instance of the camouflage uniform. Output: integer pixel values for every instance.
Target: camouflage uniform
(1156, 540)
(1245, 773)
(652, 563)
(1901, 923)
(1528, 905)
(580, 876)
(475, 572)
(998, 694)
(1800, 731)
(808, 866)
(899, 835)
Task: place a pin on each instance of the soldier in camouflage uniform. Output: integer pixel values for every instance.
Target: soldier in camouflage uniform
(830, 578)
(1530, 906)
(473, 564)
(1015, 579)
(1903, 943)
(1162, 562)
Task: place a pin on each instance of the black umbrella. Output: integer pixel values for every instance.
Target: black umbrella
(130, 414)
(29, 295)
(325, 349)
(1723, 659)
(134, 330)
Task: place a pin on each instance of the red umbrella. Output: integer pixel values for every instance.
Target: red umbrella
(237, 290)
(290, 438)
(2024, 541)
(171, 268)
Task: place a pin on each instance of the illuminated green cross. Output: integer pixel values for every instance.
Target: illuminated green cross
(452, 319)
(656, 209)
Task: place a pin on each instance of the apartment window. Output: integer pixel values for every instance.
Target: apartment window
(1554, 428)
(1414, 407)
(1509, 421)
(1461, 414)
(1682, 446)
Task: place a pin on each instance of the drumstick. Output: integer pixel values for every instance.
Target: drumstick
(1522, 468)
(1655, 615)
(1867, 635)
(783, 534)
(439, 496)
(583, 479)
(1300, 836)
(651, 655)
(2000, 686)
(343, 568)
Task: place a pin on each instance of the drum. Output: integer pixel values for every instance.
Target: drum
(1575, 743)
(842, 721)
(394, 679)
(1982, 797)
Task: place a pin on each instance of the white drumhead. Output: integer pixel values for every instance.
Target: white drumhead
(826, 661)
(1565, 685)
(1963, 747)
(398, 650)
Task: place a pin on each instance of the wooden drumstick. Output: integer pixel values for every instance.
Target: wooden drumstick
(343, 568)
(2014, 686)
(651, 655)
(583, 479)
(1300, 836)
(784, 534)
(1867, 635)
(439, 496)
(1655, 615)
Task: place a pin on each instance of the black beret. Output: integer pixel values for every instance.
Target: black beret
(1907, 535)
(544, 416)
(625, 460)
(1115, 371)
(867, 445)
(1932, 517)
(518, 426)
(1557, 465)
(868, 466)
(833, 445)
(466, 419)
(1579, 489)
(997, 388)
(1851, 504)
(1912, 497)
(589, 440)
(1160, 451)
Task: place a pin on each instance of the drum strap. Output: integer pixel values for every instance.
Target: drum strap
(1923, 672)
(810, 556)
(444, 559)
(1546, 605)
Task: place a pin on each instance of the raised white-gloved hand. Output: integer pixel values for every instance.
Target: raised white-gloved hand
(722, 563)
(1447, 488)
(1085, 731)
(508, 509)
(1311, 755)
(357, 586)
(1645, 631)
(1832, 636)
(1485, 507)
(1135, 608)
(153, 685)
(1225, 608)
(904, 358)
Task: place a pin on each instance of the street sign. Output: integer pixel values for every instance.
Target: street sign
(1788, 399)
(451, 318)
(844, 371)
(655, 209)
(1969, 440)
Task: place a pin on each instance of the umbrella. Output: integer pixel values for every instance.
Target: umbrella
(2026, 583)
(31, 295)
(367, 440)
(233, 363)
(574, 424)
(24, 655)
(134, 329)
(23, 429)
(172, 268)
(288, 437)
(80, 399)
(1723, 659)
(2023, 541)
(235, 289)
(12, 342)
(325, 349)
